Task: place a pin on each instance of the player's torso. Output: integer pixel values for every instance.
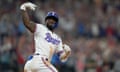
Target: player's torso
(46, 42)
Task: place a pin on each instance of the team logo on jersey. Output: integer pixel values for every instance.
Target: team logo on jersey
(49, 38)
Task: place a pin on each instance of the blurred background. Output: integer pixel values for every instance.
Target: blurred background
(90, 27)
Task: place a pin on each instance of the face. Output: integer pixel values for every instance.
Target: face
(50, 23)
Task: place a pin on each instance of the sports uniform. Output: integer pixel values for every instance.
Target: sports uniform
(46, 44)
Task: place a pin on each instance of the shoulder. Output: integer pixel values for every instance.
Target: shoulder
(40, 27)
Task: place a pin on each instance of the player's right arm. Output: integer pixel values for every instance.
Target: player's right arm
(26, 20)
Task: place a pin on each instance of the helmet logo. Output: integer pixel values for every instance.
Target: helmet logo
(53, 13)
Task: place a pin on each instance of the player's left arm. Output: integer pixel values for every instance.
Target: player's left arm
(64, 51)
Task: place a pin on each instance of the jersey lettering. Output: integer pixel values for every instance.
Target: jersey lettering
(49, 38)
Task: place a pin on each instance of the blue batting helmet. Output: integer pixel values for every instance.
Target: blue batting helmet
(54, 16)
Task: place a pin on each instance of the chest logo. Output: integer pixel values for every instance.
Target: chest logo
(49, 38)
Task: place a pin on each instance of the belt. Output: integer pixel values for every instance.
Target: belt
(42, 57)
(36, 54)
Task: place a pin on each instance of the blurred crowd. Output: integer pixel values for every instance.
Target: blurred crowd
(90, 27)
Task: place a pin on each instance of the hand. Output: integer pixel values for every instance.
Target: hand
(29, 5)
(67, 49)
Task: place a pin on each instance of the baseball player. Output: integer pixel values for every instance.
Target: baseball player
(46, 41)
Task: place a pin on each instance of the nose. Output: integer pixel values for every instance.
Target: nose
(51, 21)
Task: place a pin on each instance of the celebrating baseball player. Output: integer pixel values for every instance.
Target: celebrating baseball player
(47, 42)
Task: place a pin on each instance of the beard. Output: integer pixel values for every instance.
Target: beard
(50, 27)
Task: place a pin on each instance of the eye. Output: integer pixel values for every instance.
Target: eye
(51, 21)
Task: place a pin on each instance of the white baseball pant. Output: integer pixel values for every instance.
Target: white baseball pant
(38, 63)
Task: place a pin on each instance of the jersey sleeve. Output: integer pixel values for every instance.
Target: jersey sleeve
(38, 28)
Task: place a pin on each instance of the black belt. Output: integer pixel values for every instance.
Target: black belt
(36, 54)
(39, 54)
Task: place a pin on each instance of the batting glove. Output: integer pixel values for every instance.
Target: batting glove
(28, 5)
(66, 48)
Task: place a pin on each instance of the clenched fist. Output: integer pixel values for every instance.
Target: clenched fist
(66, 48)
(29, 5)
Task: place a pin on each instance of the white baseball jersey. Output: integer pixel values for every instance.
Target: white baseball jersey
(46, 42)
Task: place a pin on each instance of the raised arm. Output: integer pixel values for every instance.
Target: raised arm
(26, 20)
